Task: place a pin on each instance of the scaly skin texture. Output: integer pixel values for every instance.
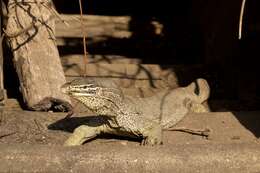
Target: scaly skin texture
(121, 115)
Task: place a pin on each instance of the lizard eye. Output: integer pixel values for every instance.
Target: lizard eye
(88, 86)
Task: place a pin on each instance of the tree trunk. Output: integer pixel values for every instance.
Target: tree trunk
(30, 29)
(2, 90)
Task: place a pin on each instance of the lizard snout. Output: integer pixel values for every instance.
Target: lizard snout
(64, 88)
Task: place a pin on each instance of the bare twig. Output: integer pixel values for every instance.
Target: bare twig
(84, 38)
(241, 19)
(8, 134)
(202, 132)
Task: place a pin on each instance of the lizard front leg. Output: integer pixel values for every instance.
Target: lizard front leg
(83, 133)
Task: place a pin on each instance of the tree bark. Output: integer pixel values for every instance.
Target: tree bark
(30, 29)
(2, 90)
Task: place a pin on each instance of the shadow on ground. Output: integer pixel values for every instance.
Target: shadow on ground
(70, 124)
(249, 121)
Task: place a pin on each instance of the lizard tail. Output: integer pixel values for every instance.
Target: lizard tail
(201, 89)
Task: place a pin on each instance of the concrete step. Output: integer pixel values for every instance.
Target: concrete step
(228, 158)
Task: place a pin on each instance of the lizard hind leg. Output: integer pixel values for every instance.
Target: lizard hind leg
(81, 134)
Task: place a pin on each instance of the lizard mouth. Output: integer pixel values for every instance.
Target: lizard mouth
(89, 93)
(78, 91)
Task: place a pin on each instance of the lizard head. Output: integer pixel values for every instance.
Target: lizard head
(93, 93)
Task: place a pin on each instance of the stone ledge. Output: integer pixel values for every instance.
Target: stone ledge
(104, 158)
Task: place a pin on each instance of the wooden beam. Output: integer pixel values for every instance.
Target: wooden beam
(95, 26)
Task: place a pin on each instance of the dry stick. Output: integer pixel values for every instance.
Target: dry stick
(241, 19)
(84, 38)
(200, 132)
(8, 134)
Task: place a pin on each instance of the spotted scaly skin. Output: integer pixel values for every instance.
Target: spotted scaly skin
(122, 115)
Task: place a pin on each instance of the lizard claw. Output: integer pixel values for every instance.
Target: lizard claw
(151, 141)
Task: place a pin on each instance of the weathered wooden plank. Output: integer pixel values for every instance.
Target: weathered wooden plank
(94, 26)
(133, 75)
(126, 75)
(76, 59)
(30, 31)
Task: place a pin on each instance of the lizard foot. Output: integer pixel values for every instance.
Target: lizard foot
(151, 141)
(153, 137)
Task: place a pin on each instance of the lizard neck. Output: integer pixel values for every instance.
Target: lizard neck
(115, 108)
(111, 107)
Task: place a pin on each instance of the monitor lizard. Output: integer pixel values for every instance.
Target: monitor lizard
(123, 115)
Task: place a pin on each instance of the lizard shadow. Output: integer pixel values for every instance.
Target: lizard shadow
(70, 124)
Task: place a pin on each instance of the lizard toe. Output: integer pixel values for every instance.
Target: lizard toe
(151, 141)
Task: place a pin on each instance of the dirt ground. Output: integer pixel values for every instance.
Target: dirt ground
(32, 142)
(51, 129)
(28, 127)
